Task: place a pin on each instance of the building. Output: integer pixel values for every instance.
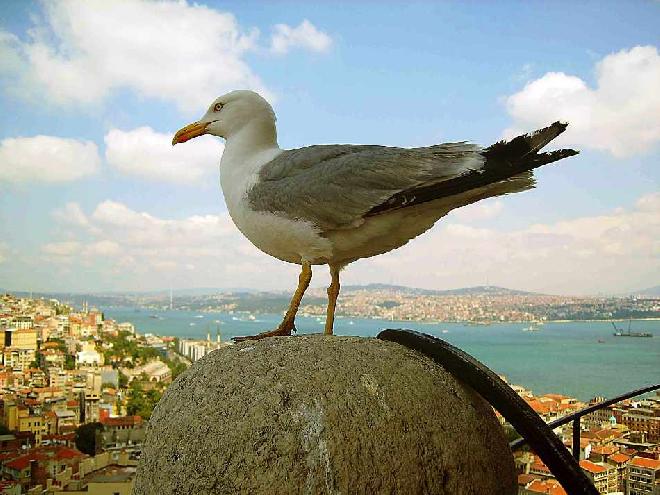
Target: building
(23, 322)
(620, 463)
(22, 338)
(104, 474)
(67, 421)
(18, 359)
(10, 488)
(602, 475)
(33, 423)
(156, 371)
(126, 327)
(645, 420)
(38, 466)
(122, 431)
(197, 349)
(643, 477)
(538, 486)
(89, 356)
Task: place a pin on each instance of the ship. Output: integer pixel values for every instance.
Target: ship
(619, 332)
(533, 327)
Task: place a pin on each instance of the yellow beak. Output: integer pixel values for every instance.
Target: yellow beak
(190, 131)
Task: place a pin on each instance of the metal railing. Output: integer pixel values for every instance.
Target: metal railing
(576, 416)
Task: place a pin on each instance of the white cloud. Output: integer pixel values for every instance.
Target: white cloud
(620, 115)
(609, 253)
(72, 214)
(305, 36)
(46, 159)
(482, 210)
(65, 248)
(4, 251)
(103, 248)
(84, 49)
(148, 154)
(146, 251)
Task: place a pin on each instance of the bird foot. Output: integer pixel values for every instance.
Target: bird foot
(283, 330)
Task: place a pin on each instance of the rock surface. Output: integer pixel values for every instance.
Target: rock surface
(322, 415)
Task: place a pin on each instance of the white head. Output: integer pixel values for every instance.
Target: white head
(230, 114)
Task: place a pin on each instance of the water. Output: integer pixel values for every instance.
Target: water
(564, 357)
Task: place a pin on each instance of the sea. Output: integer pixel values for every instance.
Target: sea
(579, 359)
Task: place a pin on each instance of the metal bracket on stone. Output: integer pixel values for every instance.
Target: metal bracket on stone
(515, 410)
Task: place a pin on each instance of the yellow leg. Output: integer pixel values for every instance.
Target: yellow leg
(303, 282)
(333, 293)
(288, 323)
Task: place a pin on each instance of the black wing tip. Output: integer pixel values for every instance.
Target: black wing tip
(528, 143)
(559, 125)
(551, 156)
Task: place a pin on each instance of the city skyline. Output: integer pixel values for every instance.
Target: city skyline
(93, 197)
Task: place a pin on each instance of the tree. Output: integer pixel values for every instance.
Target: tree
(69, 362)
(141, 403)
(123, 380)
(88, 438)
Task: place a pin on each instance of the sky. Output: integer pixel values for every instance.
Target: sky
(93, 197)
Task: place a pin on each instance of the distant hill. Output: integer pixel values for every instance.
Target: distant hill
(479, 290)
(119, 297)
(650, 292)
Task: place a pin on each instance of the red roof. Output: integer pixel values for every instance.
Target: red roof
(538, 407)
(523, 479)
(67, 453)
(122, 421)
(23, 462)
(539, 466)
(551, 487)
(604, 449)
(619, 458)
(645, 462)
(592, 467)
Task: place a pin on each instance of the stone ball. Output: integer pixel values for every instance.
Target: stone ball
(319, 414)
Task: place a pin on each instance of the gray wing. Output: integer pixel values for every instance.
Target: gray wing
(335, 186)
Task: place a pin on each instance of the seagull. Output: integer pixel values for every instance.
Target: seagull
(335, 204)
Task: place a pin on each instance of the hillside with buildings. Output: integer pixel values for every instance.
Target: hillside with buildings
(68, 371)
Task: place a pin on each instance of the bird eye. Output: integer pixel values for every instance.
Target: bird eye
(217, 107)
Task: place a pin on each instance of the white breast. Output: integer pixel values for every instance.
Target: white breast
(289, 240)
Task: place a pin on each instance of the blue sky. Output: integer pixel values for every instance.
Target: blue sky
(91, 198)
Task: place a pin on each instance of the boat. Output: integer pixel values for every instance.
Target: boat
(533, 327)
(619, 332)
